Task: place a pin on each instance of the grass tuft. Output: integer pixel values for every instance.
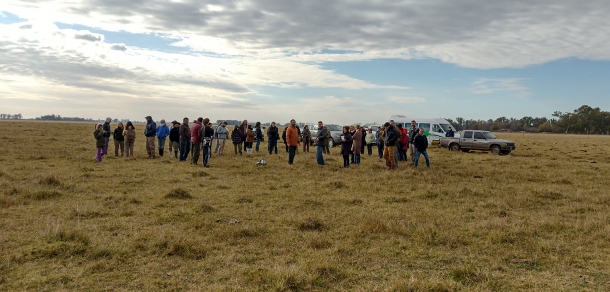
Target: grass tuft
(199, 173)
(50, 180)
(45, 195)
(337, 185)
(205, 208)
(178, 193)
(244, 200)
(465, 276)
(311, 224)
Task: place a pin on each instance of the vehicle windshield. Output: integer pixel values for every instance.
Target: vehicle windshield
(489, 135)
(446, 127)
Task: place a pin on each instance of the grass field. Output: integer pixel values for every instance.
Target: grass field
(535, 220)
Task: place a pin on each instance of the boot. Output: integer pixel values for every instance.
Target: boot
(161, 152)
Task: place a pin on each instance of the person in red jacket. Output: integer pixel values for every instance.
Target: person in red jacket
(196, 140)
(404, 142)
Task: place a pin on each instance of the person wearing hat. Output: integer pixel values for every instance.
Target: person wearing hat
(150, 132)
(106, 128)
(99, 135)
(174, 138)
(450, 133)
(162, 133)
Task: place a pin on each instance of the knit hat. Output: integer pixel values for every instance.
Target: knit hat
(162, 122)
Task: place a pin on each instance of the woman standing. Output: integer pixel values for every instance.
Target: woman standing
(249, 139)
(119, 140)
(258, 134)
(130, 139)
(236, 138)
(370, 141)
(100, 141)
(306, 138)
(346, 146)
(357, 140)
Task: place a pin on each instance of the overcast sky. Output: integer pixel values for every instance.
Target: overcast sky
(337, 61)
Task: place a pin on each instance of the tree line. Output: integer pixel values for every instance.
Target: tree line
(11, 117)
(583, 120)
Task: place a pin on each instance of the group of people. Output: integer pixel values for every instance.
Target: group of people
(393, 142)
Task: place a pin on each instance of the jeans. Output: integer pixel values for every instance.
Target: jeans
(319, 156)
(217, 145)
(345, 160)
(195, 150)
(107, 140)
(425, 153)
(161, 142)
(356, 158)
(207, 153)
(185, 148)
(237, 146)
(380, 150)
(248, 145)
(258, 143)
(388, 155)
(306, 145)
(369, 147)
(292, 150)
(272, 145)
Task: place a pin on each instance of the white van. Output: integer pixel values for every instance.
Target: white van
(433, 128)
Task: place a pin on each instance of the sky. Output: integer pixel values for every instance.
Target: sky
(345, 61)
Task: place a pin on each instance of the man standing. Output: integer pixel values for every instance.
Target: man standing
(273, 134)
(329, 136)
(196, 140)
(185, 140)
(397, 146)
(162, 133)
(106, 129)
(421, 144)
(174, 139)
(320, 143)
(292, 140)
(223, 134)
(207, 134)
(150, 132)
(389, 145)
(258, 134)
(412, 133)
(244, 130)
(450, 133)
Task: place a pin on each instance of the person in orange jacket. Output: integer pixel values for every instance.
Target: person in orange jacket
(292, 139)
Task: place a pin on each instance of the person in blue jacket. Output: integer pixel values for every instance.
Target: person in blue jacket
(162, 133)
(150, 132)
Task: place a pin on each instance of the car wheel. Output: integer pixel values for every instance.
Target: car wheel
(455, 147)
(331, 143)
(495, 150)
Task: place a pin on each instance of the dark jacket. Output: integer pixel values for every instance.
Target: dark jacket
(391, 136)
(207, 134)
(236, 136)
(185, 132)
(151, 129)
(449, 134)
(174, 134)
(118, 134)
(259, 133)
(106, 128)
(421, 143)
(346, 146)
(284, 135)
(243, 129)
(99, 137)
(321, 137)
(412, 133)
(273, 133)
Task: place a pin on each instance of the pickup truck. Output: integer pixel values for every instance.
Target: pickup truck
(478, 140)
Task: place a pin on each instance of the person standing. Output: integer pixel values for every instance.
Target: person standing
(130, 139)
(249, 139)
(174, 139)
(292, 140)
(223, 134)
(243, 128)
(320, 143)
(450, 133)
(273, 135)
(258, 132)
(284, 138)
(236, 138)
(329, 136)
(119, 140)
(402, 155)
(390, 143)
(357, 141)
(397, 146)
(346, 146)
(363, 142)
(380, 136)
(150, 132)
(370, 141)
(306, 138)
(185, 140)
(107, 131)
(421, 146)
(207, 135)
(412, 133)
(100, 141)
(162, 133)
(196, 140)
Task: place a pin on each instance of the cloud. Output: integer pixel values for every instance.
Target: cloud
(493, 85)
(406, 99)
(120, 47)
(26, 26)
(89, 37)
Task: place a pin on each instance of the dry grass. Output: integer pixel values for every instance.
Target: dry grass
(537, 219)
